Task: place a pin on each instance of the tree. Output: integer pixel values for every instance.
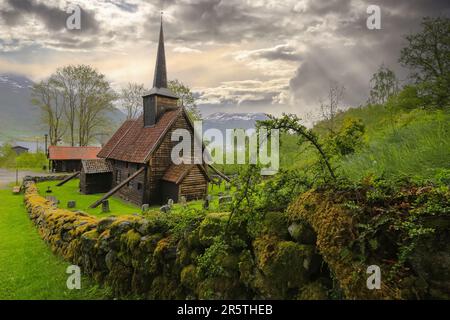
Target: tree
(330, 108)
(384, 84)
(186, 98)
(87, 99)
(48, 98)
(291, 123)
(131, 99)
(64, 79)
(428, 57)
(95, 100)
(349, 137)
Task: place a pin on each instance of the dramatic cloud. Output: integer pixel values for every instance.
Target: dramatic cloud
(237, 55)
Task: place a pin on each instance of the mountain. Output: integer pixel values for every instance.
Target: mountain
(223, 121)
(18, 117)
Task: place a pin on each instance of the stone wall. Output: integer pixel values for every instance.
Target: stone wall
(158, 257)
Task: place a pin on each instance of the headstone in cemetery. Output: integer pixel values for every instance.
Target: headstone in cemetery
(53, 200)
(165, 208)
(183, 201)
(105, 206)
(145, 207)
(170, 203)
(71, 204)
(206, 203)
(225, 199)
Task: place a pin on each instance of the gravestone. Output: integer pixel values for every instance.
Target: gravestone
(105, 206)
(145, 207)
(206, 203)
(165, 208)
(54, 202)
(170, 203)
(183, 201)
(71, 204)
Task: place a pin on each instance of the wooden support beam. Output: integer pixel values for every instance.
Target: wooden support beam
(68, 179)
(117, 188)
(224, 177)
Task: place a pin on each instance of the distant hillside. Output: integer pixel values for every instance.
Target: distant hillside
(19, 118)
(403, 143)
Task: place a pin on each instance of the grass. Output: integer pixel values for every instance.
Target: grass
(405, 143)
(417, 146)
(70, 191)
(28, 268)
(118, 207)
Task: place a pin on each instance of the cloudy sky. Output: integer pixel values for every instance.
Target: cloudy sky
(237, 55)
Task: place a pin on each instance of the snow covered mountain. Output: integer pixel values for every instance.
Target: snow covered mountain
(223, 121)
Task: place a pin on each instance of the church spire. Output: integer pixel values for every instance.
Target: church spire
(160, 79)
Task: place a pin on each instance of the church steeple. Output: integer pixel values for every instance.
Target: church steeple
(160, 78)
(160, 98)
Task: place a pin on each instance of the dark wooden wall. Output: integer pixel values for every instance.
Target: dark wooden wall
(129, 192)
(160, 162)
(194, 185)
(95, 183)
(169, 190)
(66, 165)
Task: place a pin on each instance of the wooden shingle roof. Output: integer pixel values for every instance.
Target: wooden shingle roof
(96, 166)
(177, 172)
(135, 143)
(72, 153)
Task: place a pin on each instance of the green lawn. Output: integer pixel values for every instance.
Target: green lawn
(70, 191)
(28, 269)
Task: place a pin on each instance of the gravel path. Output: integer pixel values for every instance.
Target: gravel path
(9, 176)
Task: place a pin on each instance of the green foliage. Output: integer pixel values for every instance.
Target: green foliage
(384, 85)
(419, 146)
(186, 98)
(9, 159)
(407, 99)
(349, 138)
(291, 123)
(7, 156)
(278, 192)
(31, 160)
(208, 265)
(428, 57)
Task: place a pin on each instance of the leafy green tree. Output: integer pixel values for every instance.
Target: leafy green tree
(291, 123)
(87, 98)
(384, 84)
(428, 57)
(131, 99)
(48, 98)
(350, 136)
(186, 98)
(407, 99)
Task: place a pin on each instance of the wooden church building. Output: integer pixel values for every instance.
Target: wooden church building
(138, 155)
